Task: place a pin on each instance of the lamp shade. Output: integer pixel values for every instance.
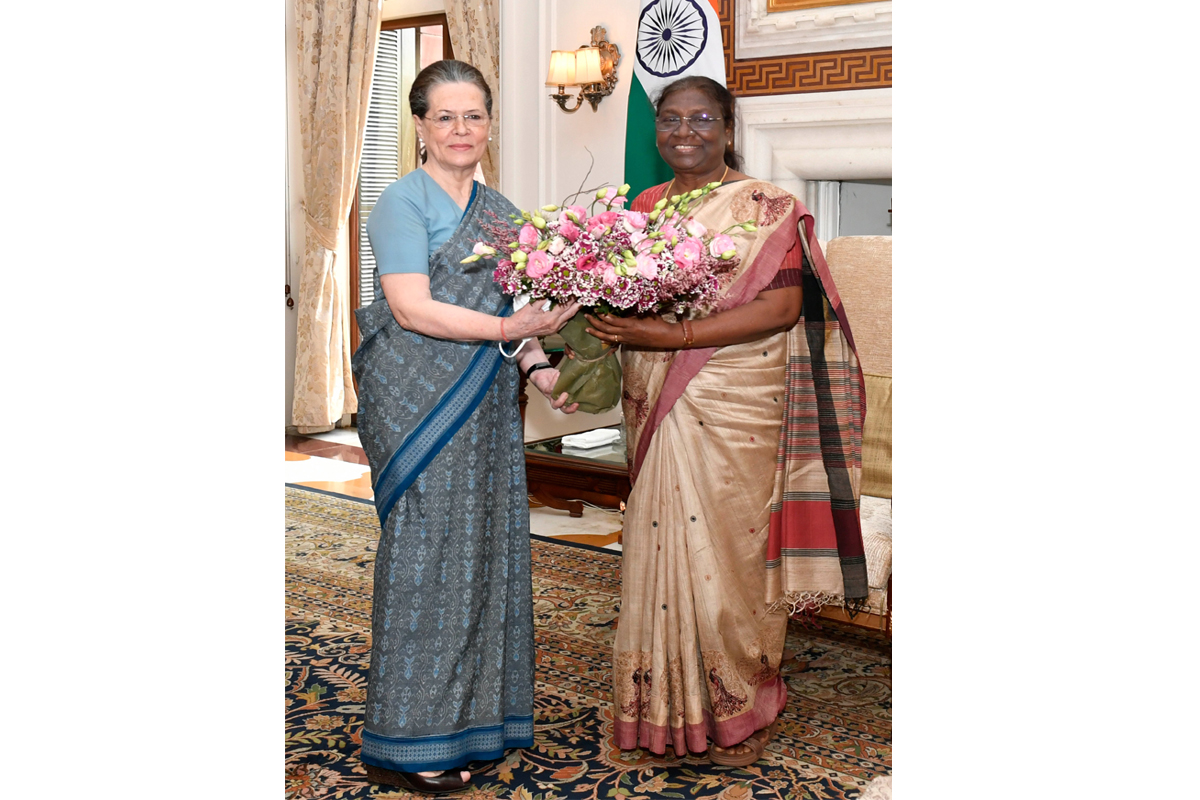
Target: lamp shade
(562, 68)
(587, 66)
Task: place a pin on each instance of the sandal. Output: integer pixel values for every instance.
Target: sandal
(448, 781)
(757, 746)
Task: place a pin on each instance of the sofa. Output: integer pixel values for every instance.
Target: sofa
(862, 271)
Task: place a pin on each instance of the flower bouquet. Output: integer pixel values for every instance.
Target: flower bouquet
(611, 260)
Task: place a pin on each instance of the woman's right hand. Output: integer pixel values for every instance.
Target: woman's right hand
(532, 321)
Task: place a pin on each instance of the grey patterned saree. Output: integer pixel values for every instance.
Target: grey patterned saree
(451, 673)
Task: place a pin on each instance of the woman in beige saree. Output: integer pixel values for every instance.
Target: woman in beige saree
(744, 434)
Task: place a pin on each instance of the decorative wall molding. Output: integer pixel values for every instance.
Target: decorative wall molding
(797, 70)
(825, 72)
(792, 140)
(761, 33)
(792, 5)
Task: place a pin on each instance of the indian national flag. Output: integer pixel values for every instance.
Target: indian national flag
(675, 39)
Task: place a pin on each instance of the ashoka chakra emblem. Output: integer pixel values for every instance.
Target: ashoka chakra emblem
(671, 34)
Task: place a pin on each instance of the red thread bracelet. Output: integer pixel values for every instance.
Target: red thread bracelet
(503, 338)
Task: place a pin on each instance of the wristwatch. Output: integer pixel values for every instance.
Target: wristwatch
(535, 367)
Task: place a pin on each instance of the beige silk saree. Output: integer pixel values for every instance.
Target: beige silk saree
(745, 463)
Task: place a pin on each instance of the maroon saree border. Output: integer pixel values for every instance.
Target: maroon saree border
(769, 700)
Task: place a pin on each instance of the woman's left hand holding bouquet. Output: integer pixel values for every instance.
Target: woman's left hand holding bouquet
(544, 380)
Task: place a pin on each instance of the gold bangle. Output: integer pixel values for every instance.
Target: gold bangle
(688, 338)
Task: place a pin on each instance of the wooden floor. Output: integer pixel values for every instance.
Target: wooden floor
(335, 462)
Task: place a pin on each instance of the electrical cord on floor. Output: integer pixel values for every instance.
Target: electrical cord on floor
(585, 503)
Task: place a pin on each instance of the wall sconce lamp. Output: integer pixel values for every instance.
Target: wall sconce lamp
(592, 67)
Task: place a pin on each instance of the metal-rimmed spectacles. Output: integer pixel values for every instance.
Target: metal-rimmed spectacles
(447, 120)
(700, 122)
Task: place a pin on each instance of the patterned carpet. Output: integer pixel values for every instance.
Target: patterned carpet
(832, 739)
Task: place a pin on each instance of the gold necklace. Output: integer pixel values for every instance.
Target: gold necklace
(667, 193)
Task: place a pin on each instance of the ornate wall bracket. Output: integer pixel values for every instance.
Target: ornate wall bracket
(610, 59)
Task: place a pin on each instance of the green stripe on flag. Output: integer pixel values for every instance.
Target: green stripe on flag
(644, 167)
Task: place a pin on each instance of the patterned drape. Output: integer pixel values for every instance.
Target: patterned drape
(475, 37)
(335, 54)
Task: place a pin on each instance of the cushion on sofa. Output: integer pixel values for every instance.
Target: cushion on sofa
(876, 516)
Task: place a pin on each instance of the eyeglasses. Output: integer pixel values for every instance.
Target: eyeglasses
(470, 120)
(698, 123)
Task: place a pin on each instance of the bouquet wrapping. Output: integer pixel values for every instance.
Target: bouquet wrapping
(593, 377)
(611, 260)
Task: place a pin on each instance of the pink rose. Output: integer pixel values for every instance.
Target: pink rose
(603, 218)
(618, 202)
(570, 230)
(586, 262)
(688, 252)
(720, 244)
(647, 267)
(538, 264)
(668, 232)
(578, 212)
(610, 276)
(557, 245)
(528, 235)
(694, 228)
(610, 195)
(635, 221)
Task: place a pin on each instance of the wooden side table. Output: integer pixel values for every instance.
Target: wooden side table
(562, 477)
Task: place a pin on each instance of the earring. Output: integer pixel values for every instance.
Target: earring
(489, 138)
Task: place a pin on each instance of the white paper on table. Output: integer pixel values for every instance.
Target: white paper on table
(593, 438)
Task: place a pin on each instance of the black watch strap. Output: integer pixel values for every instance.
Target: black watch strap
(535, 367)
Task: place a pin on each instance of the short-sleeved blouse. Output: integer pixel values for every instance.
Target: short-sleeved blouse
(413, 218)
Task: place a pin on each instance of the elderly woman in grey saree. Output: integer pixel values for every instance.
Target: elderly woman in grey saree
(451, 675)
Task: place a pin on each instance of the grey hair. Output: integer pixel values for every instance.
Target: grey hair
(441, 72)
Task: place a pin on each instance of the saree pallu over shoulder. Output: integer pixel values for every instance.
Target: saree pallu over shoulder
(426, 388)
(815, 553)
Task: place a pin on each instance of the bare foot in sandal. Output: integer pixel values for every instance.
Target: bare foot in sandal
(744, 753)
